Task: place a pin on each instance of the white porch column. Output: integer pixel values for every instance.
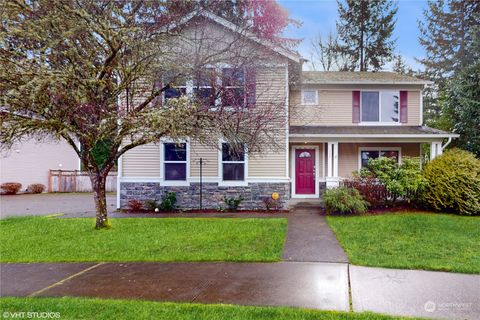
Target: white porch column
(435, 149)
(332, 174)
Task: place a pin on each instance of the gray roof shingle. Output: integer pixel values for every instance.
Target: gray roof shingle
(367, 130)
(334, 77)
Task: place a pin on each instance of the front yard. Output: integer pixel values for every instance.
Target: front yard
(52, 239)
(80, 308)
(411, 241)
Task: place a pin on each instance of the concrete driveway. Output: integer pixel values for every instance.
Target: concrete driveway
(71, 204)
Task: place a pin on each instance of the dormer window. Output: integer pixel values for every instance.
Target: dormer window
(309, 97)
(380, 106)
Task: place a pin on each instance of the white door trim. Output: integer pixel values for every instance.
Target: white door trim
(294, 173)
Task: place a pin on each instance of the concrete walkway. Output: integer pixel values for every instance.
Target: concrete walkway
(309, 238)
(297, 284)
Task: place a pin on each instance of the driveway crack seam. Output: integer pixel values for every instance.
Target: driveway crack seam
(65, 279)
(350, 299)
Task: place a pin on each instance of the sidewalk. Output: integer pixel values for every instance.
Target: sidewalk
(297, 284)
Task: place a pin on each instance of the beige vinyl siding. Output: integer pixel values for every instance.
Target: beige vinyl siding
(209, 155)
(334, 108)
(142, 161)
(348, 154)
(271, 91)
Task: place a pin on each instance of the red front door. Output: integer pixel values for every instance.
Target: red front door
(305, 171)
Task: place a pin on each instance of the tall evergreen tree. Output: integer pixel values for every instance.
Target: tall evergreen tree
(462, 107)
(365, 30)
(448, 35)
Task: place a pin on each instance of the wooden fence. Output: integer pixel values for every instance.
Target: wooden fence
(76, 181)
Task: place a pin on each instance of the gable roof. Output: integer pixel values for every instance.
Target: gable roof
(294, 56)
(348, 77)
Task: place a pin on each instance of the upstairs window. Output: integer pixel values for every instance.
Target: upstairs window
(226, 87)
(176, 88)
(175, 161)
(233, 85)
(204, 87)
(380, 106)
(233, 163)
(309, 97)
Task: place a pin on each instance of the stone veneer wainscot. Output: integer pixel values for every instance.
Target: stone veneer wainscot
(188, 197)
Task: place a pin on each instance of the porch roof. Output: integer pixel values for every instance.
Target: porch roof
(394, 131)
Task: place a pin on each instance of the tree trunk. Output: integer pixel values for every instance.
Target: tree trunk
(98, 184)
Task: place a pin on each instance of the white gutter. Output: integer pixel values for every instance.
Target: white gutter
(366, 82)
(350, 135)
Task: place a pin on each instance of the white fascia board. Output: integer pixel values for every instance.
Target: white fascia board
(312, 135)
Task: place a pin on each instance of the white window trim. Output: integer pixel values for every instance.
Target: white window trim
(230, 183)
(172, 183)
(189, 84)
(379, 123)
(399, 149)
(309, 103)
(294, 175)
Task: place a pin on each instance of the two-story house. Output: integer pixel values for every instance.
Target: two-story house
(334, 122)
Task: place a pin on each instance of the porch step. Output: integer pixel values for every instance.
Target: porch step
(305, 203)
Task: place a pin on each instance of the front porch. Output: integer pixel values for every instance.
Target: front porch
(320, 157)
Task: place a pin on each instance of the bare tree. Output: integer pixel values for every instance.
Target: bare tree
(326, 54)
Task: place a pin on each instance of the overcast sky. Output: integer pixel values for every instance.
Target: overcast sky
(319, 16)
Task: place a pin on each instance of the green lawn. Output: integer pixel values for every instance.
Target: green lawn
(411, 241)
(51, 239)
(81, 308)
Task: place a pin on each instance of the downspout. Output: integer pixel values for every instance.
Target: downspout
(446, 144)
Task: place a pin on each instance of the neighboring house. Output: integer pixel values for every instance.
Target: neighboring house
(334, 122)
(30, 161)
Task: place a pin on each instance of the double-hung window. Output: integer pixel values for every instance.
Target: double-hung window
(233, 163)
(375, 153)
(175, 161)
(380, 106)
(176, 88)
(233, 85)
(204, 87)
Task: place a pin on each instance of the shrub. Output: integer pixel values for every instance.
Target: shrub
(453, 183)
(135, 205)
(233, 203)
(344, 200)
(401, 180)
(151, 205)
(369, 188)
(169, 200)
(36, 188)
(11, 187)
(271, 204)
